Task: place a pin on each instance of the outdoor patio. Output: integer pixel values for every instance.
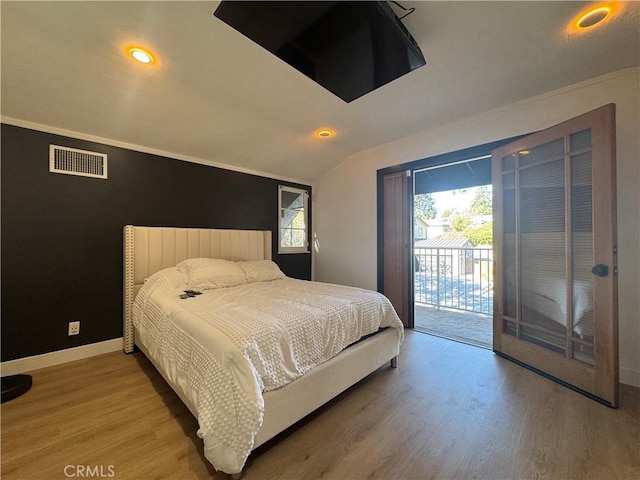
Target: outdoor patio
(467, 327)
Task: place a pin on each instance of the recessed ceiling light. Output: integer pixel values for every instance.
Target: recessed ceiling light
(141, 55)
(324, 133)
(593, 17)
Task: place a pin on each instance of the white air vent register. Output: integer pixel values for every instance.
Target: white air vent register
(72, 161)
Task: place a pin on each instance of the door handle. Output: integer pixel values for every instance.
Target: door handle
(600, 270)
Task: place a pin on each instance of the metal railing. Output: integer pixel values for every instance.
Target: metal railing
(458, 278)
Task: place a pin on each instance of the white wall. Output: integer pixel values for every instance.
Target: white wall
(345, 198)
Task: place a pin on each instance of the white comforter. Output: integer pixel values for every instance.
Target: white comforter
(223, 348)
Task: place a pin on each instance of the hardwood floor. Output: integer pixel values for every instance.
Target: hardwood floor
(449, 411)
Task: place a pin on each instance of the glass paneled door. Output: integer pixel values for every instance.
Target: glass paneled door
(555, 300)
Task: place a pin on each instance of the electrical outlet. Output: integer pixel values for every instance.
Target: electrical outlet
(74, 328)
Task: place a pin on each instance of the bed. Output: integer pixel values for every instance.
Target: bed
(239, 401)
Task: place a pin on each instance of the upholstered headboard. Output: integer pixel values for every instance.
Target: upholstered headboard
(150, 249)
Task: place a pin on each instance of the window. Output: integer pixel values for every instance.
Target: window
(292, 208)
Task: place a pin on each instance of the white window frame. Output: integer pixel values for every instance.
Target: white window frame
(305, 206)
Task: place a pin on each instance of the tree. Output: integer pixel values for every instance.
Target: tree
(482, 235)
(424, 206)
(482, 202)
(460, 222)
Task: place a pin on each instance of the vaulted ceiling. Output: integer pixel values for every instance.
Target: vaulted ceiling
(214, 96)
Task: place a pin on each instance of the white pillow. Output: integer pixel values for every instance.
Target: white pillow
(167, 280)
(209, 273)
(261, 271)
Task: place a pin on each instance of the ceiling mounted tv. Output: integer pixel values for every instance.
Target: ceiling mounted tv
(350, 48)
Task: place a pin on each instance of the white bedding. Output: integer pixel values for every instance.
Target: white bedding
(223, 348)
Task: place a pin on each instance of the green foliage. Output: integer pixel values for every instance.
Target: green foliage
(424, 206)
(460, 222)
(482, 235)
(482, 204)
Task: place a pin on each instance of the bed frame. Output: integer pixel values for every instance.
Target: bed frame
(150, 249)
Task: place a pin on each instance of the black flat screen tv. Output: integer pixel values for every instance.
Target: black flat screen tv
(350, 48)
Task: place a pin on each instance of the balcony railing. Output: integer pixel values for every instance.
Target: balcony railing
(459, 278)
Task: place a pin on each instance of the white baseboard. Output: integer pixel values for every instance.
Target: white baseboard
(630, 377)
(27, 364)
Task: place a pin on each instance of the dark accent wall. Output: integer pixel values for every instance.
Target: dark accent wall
(62, 234)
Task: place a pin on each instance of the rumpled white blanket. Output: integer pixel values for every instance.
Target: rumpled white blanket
(223, 348)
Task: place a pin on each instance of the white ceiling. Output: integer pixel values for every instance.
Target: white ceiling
(217, 97)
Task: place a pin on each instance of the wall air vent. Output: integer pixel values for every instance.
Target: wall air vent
(72, 161)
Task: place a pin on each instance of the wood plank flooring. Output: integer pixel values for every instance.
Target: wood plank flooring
(449, 411)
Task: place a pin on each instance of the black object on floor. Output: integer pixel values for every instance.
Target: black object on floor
(15, 385)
